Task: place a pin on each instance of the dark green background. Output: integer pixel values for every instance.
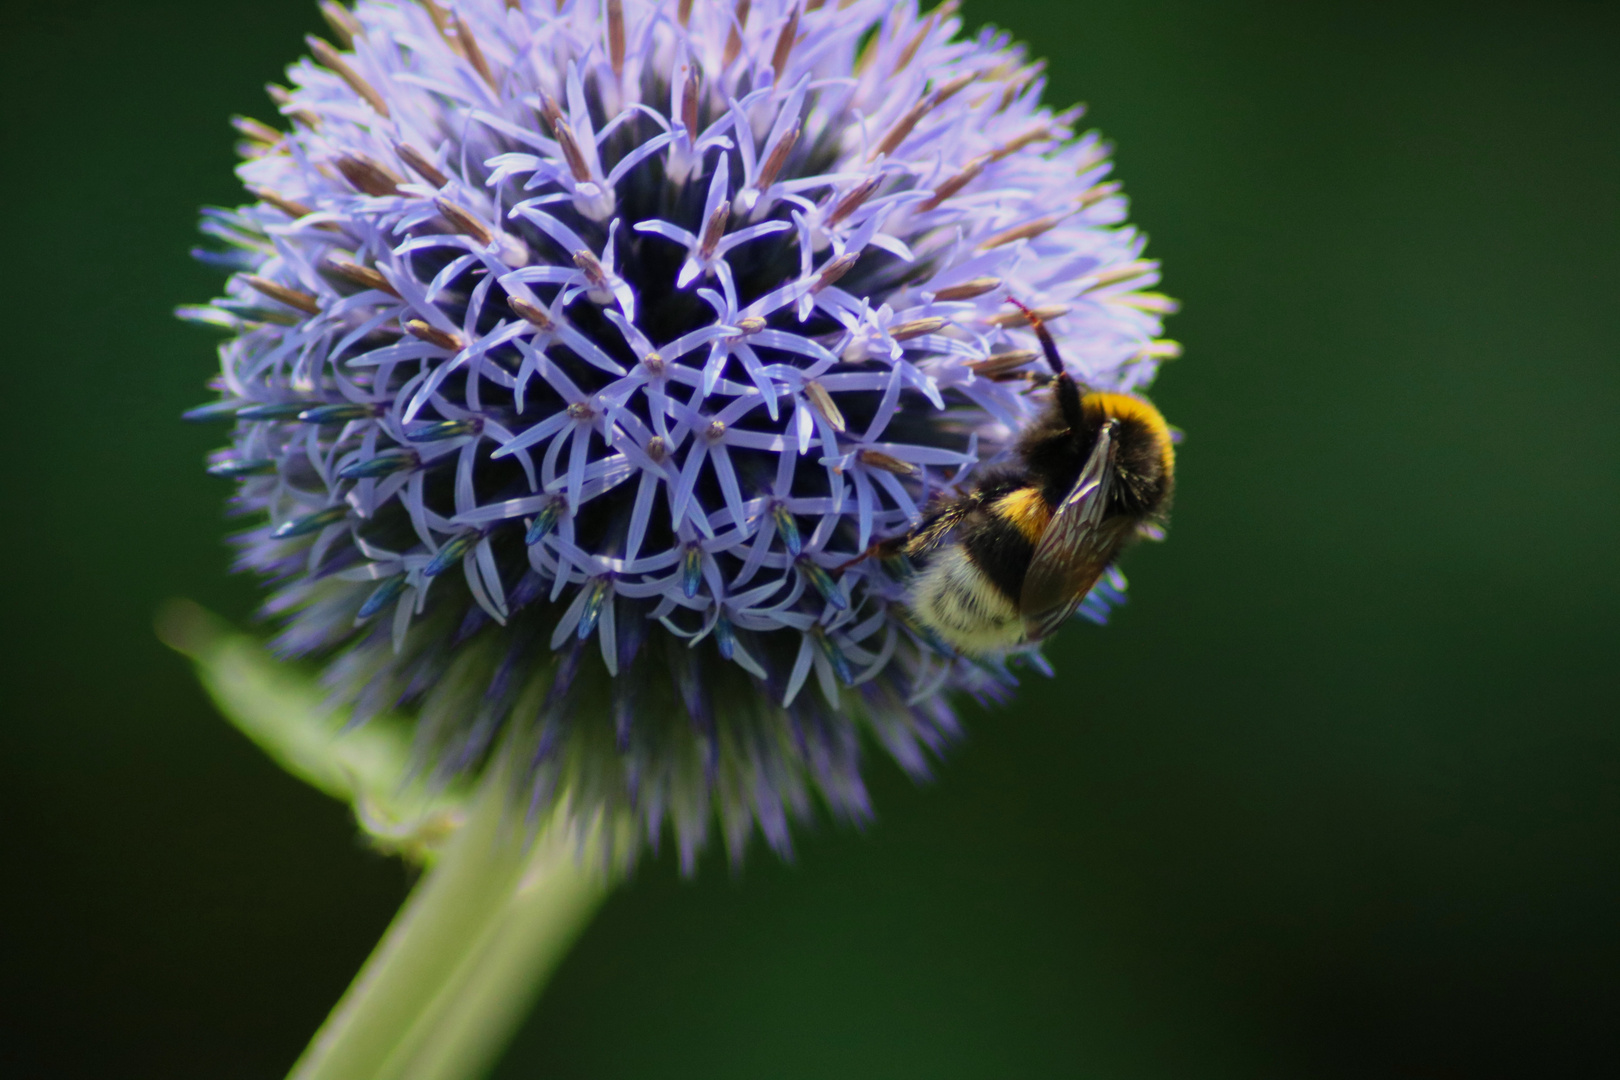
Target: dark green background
(1336, 796)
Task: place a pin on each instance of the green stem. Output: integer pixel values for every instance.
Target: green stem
(463, 1031)
(461, 963)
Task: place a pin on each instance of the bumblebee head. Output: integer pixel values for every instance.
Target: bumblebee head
(1144, 455)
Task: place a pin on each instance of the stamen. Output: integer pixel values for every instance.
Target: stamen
(734, 38)
(549, 109)
(462, 221)
(1162, 349)
(367, 175)
(214, 410)
(998, 364)
(284, 101)
(292, 209)
(824, 404)
(714, 230)
(363, 276)
(787, 528)
(1123, 272)
(1027, 231)
(853, 200)
(580, 410)
(784, 44)
(1035, 134)
(777, 157)
(592, 610)
(591, 266)
(916, 328)
(822, 582)
(954, 87)
(1020, 79)
(303, 301)
(440, 430)
(654, 363)
(545, 521)
(345, 27)
(908, 53)
(385, 594)
(453, 551)
(237, 468)
(1097, 194)
(962, 179)
(340, 413)
(386, 463)
(725, 636)
(746, 327)
(717, 430)
(308, 523)
(419, 162)
(330, 59)
(441, 19)
(256, 130)
(275, 410)
(565, 140)
(615, 35)
(1158, 303)
(691, 570)
(887, 462)
(431, 334)
(657, 449)
(967, 290)
(834, 655)
(683, 13)
(530, 312)
(903, 126)
(474, 55)
(689, 101)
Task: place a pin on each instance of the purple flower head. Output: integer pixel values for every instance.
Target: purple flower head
(578, 347)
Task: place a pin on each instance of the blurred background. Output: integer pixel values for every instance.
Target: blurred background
(1337, 795)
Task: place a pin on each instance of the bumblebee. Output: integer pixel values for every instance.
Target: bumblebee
(1008, 562)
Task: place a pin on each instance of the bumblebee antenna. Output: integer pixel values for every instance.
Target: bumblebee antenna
(1068, 395)
(1054, 360)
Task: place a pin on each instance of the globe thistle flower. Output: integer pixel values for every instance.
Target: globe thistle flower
(578, 347)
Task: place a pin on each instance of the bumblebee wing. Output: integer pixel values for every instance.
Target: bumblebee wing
(1073, 551)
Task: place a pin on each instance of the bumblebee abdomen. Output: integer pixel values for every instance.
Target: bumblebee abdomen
(955, 599)
(968, 591)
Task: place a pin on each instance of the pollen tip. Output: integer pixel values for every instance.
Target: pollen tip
(453, 551)
(424, 331)
(309, 523)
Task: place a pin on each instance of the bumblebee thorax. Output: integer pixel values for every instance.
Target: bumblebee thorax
(1145, 460)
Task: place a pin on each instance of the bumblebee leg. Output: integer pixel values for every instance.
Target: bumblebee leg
(879, 549)
(935, 529)
(1068, 394)
(1054, 359)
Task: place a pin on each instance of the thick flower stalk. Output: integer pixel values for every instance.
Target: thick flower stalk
(579, 347)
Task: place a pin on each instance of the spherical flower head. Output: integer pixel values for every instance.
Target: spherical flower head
(581, 347)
